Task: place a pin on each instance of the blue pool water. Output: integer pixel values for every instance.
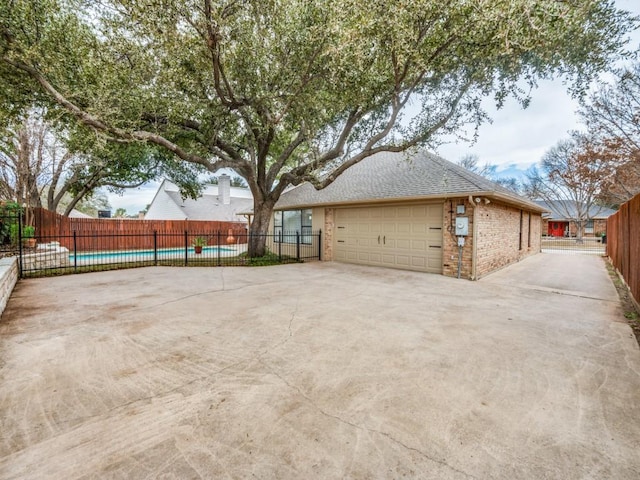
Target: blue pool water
(132, 255)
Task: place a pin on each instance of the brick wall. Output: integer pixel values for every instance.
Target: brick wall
(450, 241)
(327, 245)
(505, 235)
(599, 226)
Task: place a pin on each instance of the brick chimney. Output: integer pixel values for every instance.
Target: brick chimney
(224, 189)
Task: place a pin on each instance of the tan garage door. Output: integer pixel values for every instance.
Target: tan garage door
(407, 237)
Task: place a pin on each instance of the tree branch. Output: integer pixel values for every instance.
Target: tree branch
(97, 124)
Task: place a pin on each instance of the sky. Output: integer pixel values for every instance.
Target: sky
(515, 140)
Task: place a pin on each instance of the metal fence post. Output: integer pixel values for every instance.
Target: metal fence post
(320, 244)
(155, 247)
(20, 251)
(218, 247)
(280, 246)
(186, 248)
(75, 252)
(297, 245)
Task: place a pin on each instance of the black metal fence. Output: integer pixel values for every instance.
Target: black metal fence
(85, 252)
(572, 245)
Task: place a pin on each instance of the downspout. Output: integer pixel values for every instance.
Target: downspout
(474, 249)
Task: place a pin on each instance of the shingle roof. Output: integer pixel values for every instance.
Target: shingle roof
(210, 207)
(566, 210)
(399, 176)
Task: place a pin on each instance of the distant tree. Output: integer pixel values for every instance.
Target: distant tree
(120, 213)
(472, 163)
(612, 116)
(572, 176)
(238, 182)
(23, 162)
(93, 203)
(289, 91)
(42, 165)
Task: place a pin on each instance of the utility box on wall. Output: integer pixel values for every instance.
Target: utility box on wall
(462, 226)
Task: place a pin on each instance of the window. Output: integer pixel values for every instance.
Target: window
(588, 228)
(289, 222)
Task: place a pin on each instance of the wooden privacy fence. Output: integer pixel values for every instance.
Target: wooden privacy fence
(125, 234)
(623, 244)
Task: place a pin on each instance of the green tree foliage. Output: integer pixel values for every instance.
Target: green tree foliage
(287, 91)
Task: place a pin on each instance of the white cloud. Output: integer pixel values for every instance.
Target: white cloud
(521, 136)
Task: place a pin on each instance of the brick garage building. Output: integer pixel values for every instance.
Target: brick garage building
(410, 212)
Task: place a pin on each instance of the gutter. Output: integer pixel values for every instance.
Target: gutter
(491, 195)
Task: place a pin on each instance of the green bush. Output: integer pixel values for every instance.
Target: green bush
(9, 212)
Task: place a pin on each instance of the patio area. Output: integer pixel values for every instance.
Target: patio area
(320, 370)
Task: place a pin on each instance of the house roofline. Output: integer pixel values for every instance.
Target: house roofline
(489, 194)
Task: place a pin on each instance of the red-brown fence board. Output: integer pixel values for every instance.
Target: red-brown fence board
(623, 243)
(125, 234)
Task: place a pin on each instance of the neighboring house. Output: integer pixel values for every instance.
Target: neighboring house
(218, 202)
(559, 221)
(78, 214)
(407, 211)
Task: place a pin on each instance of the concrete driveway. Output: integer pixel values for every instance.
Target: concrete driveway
(320, 371)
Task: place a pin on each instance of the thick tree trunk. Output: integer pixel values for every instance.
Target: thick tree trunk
(259, 229)
(579, 231)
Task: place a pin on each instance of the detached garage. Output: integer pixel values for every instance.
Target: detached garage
(398, 236)
(412, 212)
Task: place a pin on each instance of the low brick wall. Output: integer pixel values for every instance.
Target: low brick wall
(8, 279)
(47, 256)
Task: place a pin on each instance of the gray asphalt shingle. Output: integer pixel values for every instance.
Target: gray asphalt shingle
(566, 210)
(388, 176)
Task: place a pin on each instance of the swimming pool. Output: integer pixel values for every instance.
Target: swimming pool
(123, 256)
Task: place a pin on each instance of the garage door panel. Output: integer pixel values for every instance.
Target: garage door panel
(399, 236)
(388, 259)
(419, 228)
(419, 262)
(403, 260)
(419, 245)
(404, 244)
(403, 228)
(419, 211)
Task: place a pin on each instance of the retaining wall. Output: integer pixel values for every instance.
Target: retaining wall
(8, 279)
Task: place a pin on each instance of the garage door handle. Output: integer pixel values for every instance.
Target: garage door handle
(384, 239)
(378, 239)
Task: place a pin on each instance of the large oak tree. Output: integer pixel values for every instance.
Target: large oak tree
(572, 178)
(287, 91)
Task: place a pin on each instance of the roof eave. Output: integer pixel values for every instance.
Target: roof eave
(492, 195)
